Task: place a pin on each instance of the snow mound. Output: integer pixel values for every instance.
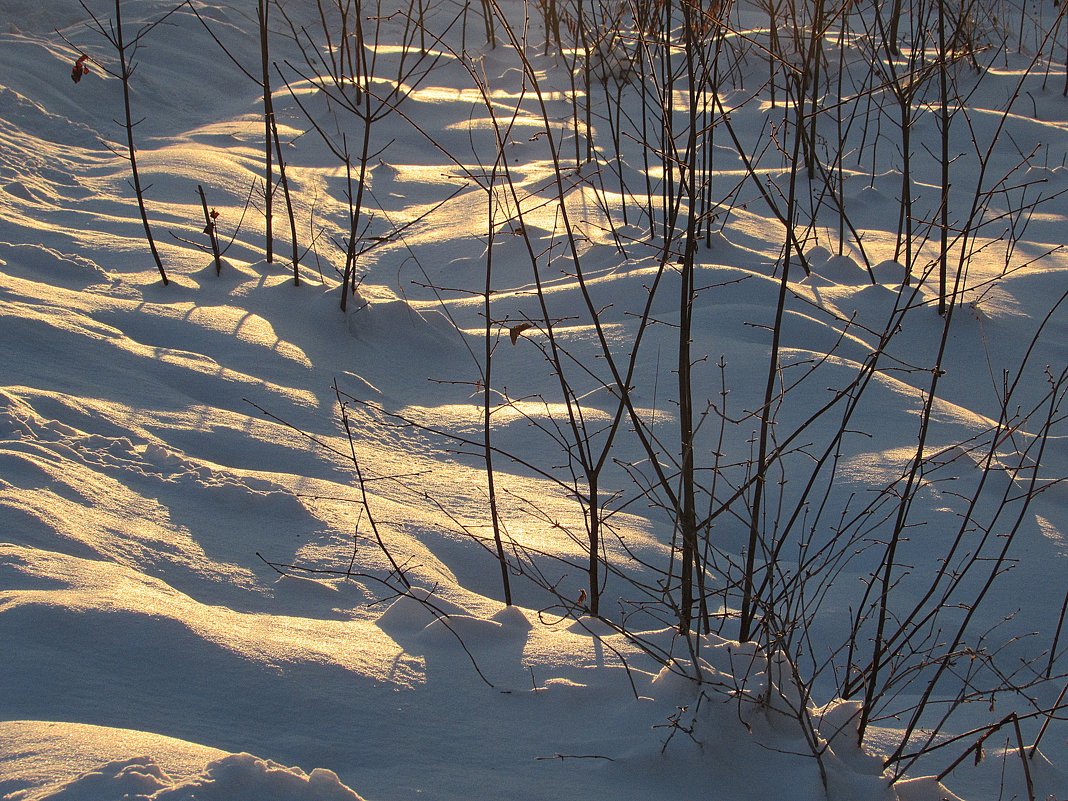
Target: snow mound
(37, 262)
(512, 617)
(237, 777)
(592, 626)
(385, 317)
(415, 610)
(889, 272)
(844, 270)
(924, 788)
(443, 631)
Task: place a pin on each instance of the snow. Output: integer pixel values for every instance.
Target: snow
(228, 778)
(193, 601)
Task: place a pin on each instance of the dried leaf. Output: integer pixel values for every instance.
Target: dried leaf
(516, 330)
(79, 69)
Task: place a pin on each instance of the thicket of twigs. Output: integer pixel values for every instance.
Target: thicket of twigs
(645, 109)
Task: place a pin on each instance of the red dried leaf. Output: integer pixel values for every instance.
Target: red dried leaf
(79, 69)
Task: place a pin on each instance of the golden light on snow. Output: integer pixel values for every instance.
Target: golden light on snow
(190, 541)
(49, 753)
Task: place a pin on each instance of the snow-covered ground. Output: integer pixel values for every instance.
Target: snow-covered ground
(196, 595)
